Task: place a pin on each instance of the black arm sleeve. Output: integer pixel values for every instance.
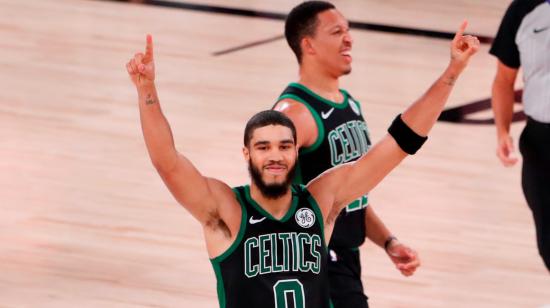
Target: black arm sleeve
(504, 46)
(406, 138)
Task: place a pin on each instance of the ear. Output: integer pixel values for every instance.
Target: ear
(307, 46)
(246, 154)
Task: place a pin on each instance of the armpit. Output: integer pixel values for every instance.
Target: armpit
(215, 223)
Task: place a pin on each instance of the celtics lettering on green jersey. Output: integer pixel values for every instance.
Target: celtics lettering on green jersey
(348, 142)
(294, 247)
(342, 137)
(275, 263)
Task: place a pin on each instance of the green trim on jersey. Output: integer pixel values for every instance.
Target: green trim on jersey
(318, 121)
(319, 214)
(217, 260)
(219, 278)
(298, 175)
(288, 214)
(353, 101)
(341, 105)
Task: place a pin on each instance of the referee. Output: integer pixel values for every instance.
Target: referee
(523, 39)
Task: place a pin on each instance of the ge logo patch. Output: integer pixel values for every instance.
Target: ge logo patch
(305, 217)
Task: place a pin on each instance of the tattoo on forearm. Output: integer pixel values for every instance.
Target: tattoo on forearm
(450, 80)
(150, 100)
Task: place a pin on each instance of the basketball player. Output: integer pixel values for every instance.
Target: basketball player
(267, 240)
(332, 131)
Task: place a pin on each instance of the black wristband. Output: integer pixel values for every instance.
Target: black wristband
(388, 241)
(406, 138)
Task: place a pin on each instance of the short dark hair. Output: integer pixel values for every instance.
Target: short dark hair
(301, 22)
(265, 118)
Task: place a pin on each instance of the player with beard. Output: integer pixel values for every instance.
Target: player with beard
(274, 190)
(267, 240)
(332, 131)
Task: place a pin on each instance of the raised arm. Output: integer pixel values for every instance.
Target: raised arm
(198, 194)
(337, 187)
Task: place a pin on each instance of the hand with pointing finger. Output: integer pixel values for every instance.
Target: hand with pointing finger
(462, 48)
(141, 67)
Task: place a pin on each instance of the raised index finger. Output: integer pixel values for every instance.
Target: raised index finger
(149, 47)
(460, 31)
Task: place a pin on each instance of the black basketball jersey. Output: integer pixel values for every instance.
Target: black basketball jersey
(275, 263)
(342, 137)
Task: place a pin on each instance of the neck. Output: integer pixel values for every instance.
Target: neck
(321, 82)
(276, 207)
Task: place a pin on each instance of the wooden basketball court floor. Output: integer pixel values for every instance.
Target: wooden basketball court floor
(86, 222)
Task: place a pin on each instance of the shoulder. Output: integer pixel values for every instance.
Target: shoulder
(324, 186)
(289, 105)
(220, 188)
(228, 202)
(297, 111)
(516, 11)
(303, 119)
(524, 6)
(504, 45)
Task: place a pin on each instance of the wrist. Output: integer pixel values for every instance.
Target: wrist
(452, 72)
(502, 133)
(388, 242)
(145, 87)
(503, 129)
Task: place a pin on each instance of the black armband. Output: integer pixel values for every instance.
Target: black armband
(406, 138)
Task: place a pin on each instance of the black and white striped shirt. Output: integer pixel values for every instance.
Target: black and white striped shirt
(523, 39)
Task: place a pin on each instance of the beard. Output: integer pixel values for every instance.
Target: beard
(274, 190)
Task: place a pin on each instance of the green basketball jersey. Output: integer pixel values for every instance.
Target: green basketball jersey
(275, 263)
(342, 137)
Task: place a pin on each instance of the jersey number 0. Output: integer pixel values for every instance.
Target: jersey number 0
(289, 286)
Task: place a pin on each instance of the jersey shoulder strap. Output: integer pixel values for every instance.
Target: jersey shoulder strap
(310, 99)
(305, 197)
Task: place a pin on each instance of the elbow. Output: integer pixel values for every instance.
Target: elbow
(159, 166)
